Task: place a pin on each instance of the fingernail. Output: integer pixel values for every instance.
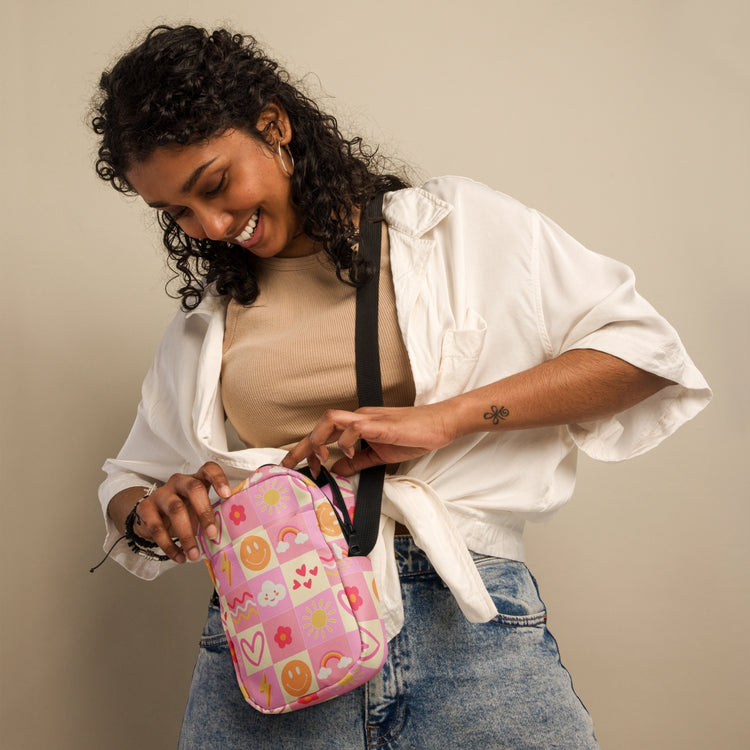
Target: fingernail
(212, 532)
(193, 553)
(180, 558)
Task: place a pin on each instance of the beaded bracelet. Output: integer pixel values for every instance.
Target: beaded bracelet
(138, 544)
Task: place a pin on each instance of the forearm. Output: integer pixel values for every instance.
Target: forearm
(578, 386)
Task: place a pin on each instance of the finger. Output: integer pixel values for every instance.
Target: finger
(189, 507)
(181, 516)
(303, 450)
(373, 424)
(152, 527)
(212, 474)
(328, 430)
(314, 464)
(348, 439)
(297, 454)
(348, 466)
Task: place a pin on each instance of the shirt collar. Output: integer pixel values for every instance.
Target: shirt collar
(414, 211)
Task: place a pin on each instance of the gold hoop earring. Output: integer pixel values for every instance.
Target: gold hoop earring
(281, 158)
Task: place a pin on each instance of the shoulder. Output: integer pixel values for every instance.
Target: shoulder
(455, 201)
(468, 194)
(483, 215)
(185, 335)
(455, 189)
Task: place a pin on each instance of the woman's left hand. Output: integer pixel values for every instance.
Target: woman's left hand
(393, 434)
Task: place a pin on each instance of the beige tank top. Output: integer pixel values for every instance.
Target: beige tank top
(290, 355)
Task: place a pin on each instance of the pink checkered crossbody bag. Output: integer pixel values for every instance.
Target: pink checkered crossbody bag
(301, 614)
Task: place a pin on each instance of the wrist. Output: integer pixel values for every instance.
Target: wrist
(133, 519)
(138, 544)
(122, 503)
(478, 411)
(125, 522)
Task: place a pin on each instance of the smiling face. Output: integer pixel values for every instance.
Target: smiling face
(296, 678)
(255, 553)
(327, 520)
(231, 188)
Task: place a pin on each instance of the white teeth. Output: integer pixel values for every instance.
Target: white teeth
(249, 229)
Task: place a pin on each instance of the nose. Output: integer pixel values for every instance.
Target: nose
(215, 223)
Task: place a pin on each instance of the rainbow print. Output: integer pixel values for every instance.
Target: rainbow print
(299, 538)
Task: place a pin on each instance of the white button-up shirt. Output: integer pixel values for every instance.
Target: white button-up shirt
(485, 287)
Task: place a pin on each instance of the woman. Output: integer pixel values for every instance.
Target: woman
(505, 345)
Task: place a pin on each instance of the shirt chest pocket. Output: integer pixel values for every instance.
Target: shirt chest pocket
(459, 353)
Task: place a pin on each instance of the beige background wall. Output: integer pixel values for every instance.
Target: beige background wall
(627, 122)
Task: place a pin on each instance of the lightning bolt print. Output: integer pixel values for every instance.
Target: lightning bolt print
(265, 688)
(226, 567)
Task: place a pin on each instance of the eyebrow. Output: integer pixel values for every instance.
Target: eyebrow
(189, 183)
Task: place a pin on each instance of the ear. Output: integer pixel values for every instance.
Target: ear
(273, 124)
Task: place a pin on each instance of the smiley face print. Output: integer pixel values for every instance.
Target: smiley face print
(296, 678)
(327, 520)
(255, 553)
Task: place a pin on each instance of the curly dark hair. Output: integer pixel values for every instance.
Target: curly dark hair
(184, 85)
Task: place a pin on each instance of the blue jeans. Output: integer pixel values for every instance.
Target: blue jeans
(447, 682)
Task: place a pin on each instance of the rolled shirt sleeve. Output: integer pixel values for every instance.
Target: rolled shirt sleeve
(148, 456)
(589, 301)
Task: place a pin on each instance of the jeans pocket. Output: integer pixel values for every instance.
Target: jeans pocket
(520, 621)
(213, 637)
(514, 592)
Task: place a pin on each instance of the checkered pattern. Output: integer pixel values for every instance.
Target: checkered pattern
(301, 616)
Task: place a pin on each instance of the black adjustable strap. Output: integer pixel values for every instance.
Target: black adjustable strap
(369, 385)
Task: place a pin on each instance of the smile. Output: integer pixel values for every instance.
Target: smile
(249, 229)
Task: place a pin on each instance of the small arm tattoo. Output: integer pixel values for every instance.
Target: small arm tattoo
(496, 414)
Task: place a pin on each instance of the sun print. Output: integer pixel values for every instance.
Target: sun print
(318, 619)
(271, 496)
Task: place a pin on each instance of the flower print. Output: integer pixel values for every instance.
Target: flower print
(283, 636)
(352, 594)
(237, 515)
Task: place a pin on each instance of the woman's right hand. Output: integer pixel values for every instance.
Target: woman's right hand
(174, 510)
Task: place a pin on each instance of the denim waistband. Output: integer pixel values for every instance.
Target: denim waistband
(411, 560)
